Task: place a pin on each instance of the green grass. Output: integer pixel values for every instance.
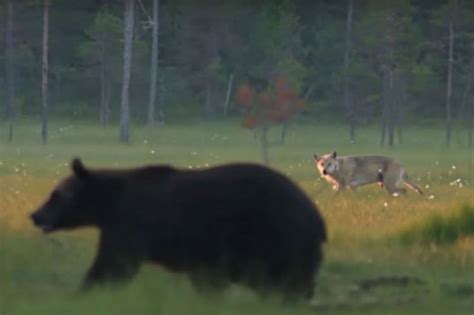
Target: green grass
(442, 230)
(40, 274)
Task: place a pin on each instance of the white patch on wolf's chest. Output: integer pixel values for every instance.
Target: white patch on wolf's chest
(331, 179)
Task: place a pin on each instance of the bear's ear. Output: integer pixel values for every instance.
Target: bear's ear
(79, 169)
(334, 154)
(316, 157)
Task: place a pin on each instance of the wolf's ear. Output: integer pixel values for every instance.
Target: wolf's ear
(316, 157)
(79, 169)
(334, 154)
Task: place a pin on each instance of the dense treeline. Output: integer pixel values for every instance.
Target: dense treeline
(358, 62)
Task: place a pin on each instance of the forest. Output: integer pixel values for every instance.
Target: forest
(149, 62)
(194, 85)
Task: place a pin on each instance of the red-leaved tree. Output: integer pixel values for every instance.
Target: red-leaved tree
(274, 106)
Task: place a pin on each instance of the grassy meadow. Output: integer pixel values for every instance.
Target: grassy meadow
(369, 268)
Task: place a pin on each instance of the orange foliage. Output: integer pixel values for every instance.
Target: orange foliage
(300, 104)
(276, 108)
(251, 121)
(244, 96)
(285, 97)
(281, 83)
(265, 100)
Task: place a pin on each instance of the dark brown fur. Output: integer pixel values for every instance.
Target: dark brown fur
(238, 223)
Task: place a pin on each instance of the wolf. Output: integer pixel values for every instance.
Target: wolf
(352, 171)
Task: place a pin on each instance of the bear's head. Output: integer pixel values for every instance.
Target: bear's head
(76, 201)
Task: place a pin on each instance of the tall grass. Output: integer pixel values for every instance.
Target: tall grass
(40, 274)
(442, 229)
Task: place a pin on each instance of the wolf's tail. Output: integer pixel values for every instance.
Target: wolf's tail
(410, 184)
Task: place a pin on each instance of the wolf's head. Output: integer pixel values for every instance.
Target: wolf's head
(327, 164)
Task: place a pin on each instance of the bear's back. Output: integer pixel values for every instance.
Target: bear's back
(240, 206)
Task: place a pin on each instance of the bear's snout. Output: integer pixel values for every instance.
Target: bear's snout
(40, 221)
(325, 172)
(36, 218)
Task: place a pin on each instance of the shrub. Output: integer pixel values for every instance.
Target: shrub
(442, 230)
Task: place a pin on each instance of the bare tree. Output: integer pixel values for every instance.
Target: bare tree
(470, 124)
(348, 103)
(393, 85)
(400, 100)
(449, 82)
(45, 72)
(470, 102)
(451, 16)
(9, 70)
(388, 82)
(127, 61)
(104, 89)
(213, 56)
(154, 64)
(387, 130)
(227, 95)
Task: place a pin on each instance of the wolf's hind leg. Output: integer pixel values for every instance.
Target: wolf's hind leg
(394, 190)
(410, 184)
(380, 179)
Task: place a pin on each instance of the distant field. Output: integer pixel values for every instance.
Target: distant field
(367, 271)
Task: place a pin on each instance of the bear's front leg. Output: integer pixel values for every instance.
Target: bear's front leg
(117, 260)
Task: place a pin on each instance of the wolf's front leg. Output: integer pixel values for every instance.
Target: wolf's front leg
(339, 187)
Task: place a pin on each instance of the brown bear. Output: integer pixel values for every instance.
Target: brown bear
(237, 223)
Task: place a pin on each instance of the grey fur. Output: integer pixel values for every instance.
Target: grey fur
(352, 171)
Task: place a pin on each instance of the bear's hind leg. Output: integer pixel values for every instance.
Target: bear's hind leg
(208, 282)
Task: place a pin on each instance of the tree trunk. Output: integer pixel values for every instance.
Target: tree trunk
(470, 103)
(55, 81)
(264, 144)
(127, 62)
(210, 108)
(154, 64)
(399, 123)
(309, 91)
(464, 112)
(465, 95)
(400, 99)
(227, 95)
(385, 107)
(350, 112)
(159, 105)
(284, 131)
(449, 83)
(470, 124)
(9, 71)
(389, 84)
(103, 86)
(390, 125)
(388, 120)
(107, 99)
(44, 72)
